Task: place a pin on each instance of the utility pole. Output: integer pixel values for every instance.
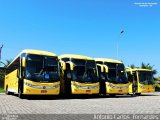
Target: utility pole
(1, 51)
(122, 31)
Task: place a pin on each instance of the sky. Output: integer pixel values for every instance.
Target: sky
(85, 27)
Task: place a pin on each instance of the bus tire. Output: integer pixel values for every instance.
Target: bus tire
(138, 93)
(7, 92)
(133, 95)
(112, 95)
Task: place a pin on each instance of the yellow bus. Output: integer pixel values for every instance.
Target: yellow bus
(79, 75)
(113, 77)
(141, 80)
(33, 72)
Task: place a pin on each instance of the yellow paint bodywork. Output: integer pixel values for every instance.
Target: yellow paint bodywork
(130, 88)
(145, 88)
(77, 87)
(142, 88)
(112, 88)
(11, 81)
(84, 88)
(108, 60)
(37, 91)
(75, 56)
(117, 88)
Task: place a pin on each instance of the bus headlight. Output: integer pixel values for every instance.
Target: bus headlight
(94, 87)
(85, 87)
(141, 87)
(118, 87)
(41, 87)
(52, 87)
(38, 87)
(28, 84)
(55, 86)
(110, 85)
(125, 87)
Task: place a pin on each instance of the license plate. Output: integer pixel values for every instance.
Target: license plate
(43, 91)
(88, 90)
(120, 90)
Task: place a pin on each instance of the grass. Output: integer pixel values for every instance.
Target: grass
(2, 90)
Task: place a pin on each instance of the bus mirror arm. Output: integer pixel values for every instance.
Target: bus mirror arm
(18, 73)
(63, 65)
(23, 62)
(101, 67)
(71, 66)
(106, 68)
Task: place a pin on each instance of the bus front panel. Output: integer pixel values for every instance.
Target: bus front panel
(84, 88)
(145, 88)
(117, 88)
(37, 88)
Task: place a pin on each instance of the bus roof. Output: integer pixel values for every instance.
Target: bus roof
(108, 60)
(31, 51)
(75, 56)
(138, 69)
(38, 52)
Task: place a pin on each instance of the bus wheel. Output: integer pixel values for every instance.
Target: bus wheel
(7, 92)
(138, 93)
(112, 95)
(133, 95)
(20, 95)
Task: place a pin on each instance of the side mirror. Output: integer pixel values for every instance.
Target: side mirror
(106, 68)
(71, 66)
(101, 67)
(18, 73)
(23, 62)
(63, 65)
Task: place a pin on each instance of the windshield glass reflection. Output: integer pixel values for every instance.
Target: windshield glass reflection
(42, 68)
(146, 77)
(84, 71)
(117, 73)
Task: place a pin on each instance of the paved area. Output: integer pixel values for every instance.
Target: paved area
(144, 104)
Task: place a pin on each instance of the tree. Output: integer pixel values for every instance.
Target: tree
(8, 62)
(148, 66)
(132, 66)
(3, 71)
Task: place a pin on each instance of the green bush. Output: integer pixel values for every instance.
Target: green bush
(1, 90)
(157, 86)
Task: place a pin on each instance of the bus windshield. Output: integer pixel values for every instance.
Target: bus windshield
(85, 71)
(146, 77)
(42, 68)
(116, 73)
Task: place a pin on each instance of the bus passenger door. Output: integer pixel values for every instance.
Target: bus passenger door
(135, 82)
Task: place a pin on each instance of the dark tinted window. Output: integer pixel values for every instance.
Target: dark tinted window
(65, 59)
